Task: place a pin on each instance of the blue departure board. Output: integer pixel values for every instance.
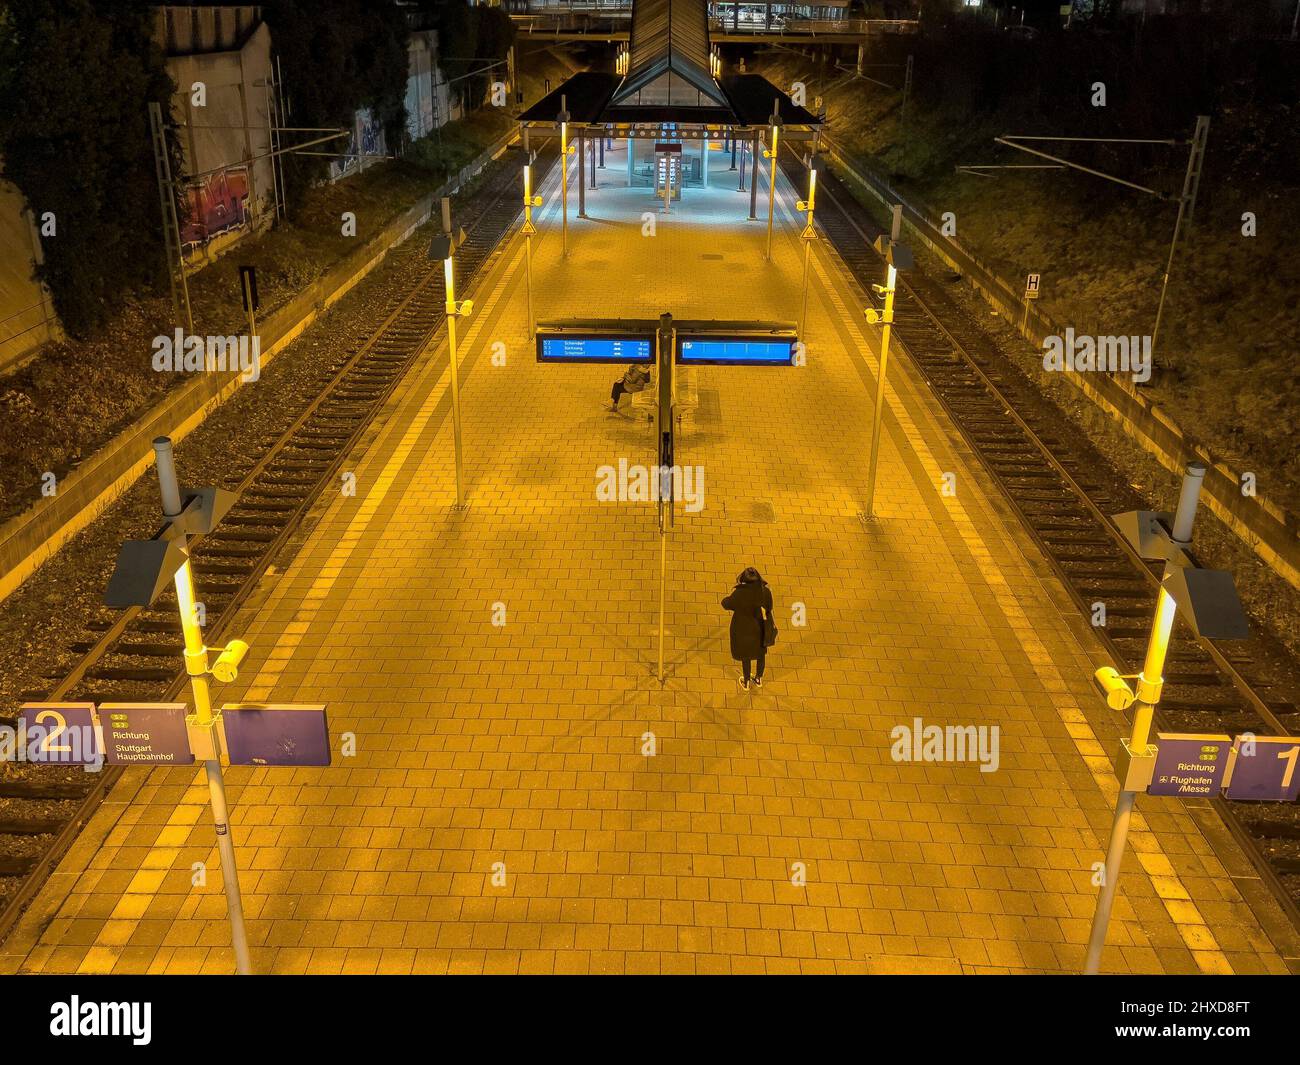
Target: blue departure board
(576, 347)
(737, 351)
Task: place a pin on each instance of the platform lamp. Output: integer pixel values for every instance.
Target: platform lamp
(443, 246)
(1207, 601)
(143, 570)
(775, 122)
(898, 256)
(566, 149)
(530, 230)
(807, 236)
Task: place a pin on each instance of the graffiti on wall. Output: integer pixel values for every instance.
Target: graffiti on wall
(366, 140)
(217, 204)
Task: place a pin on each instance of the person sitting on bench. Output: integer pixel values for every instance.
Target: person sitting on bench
(637, 379)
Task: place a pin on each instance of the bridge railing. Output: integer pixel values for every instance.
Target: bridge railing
(593, 18)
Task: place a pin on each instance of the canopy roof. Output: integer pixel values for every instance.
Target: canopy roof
(668, 55)
(747, 100)
(669, 81)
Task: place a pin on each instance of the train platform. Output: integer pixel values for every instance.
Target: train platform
(513, 790)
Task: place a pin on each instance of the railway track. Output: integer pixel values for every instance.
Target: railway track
(135, 655)
(1064, 492)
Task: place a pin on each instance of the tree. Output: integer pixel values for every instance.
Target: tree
(470, 41)
(337, 57)
(76, 81)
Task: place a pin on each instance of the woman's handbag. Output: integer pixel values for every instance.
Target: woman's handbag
(769, 631)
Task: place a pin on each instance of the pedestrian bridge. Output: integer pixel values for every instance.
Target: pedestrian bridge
(546, 23)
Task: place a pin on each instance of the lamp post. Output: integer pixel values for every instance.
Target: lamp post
(443, 247)
(664, 345)
(807, 236)
(898, 257)
(1207, 601)
(771, 183)
(530, 201)
(196, 665)
(565, 149)
(142, 571)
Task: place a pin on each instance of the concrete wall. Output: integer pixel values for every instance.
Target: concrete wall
(27, 318)
(428, 96)
(225, 141)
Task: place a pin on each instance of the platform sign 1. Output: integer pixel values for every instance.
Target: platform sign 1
(594, 347)
(736, 350)
(145, 734)
(59, 734)
(1032, 283)
(1264, 769)
(1189, 764)
(275, 734)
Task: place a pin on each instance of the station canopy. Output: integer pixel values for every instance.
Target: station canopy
(668, 80)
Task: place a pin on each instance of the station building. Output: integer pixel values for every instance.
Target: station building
(670, 102)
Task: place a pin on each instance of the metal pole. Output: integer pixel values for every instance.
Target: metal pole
(582, 175)
(888, 321)
(252, 317)
(175, 255)
(196, 665)
(1186, 203)
(771, 189)
(1169, 265)
(807, 237)
(664, 425)
(732, 136)
(529, 229)
(452, 314)
(907, 90)
(564, 186)
(1149, 684)
(803, 309)
(753, 177)
(663, 592)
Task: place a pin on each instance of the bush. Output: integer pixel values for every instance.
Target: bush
(76, 79)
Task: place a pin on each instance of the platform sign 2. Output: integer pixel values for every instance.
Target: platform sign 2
(59, 733)
(1032, 284)
(145, 734)
(275, 734)
(1189, 764)
(1264, 769)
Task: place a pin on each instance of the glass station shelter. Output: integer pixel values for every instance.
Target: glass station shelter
(668, 103)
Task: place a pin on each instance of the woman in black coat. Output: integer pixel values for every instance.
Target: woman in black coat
(748, 602)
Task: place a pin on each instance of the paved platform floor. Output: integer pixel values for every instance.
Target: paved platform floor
(521, 795)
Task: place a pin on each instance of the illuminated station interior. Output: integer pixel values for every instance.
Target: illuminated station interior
(658, 487)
